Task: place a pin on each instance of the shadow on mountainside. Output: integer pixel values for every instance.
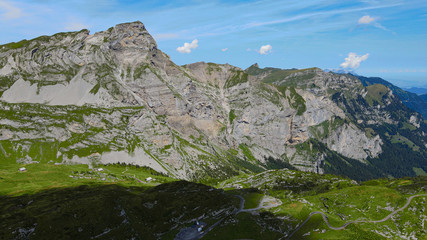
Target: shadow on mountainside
(112, 211)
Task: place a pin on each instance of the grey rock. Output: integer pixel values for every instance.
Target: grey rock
(116, 97)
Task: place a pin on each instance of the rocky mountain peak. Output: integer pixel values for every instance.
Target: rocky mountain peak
(131, 103)
(136, 26)
(129, 35)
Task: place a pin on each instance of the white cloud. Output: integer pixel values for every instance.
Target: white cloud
(366, 19)
(188, 46)
(265, 49)
(75, 26)
(9, 11)
(353, 60)
(372, 21)
(320, 13)
(224, 49)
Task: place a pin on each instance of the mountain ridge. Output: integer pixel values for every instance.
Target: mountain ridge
(411, 100)
(130, 103)
(416, 90)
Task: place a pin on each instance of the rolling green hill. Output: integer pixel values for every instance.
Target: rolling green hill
(269, 205)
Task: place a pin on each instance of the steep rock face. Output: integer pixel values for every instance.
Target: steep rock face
(114, 97)
(367, 127)
(76, 68)
(351, 142)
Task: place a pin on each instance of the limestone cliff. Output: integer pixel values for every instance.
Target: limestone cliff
(114, 97)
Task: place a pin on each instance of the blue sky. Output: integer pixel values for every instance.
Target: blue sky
(386, 38)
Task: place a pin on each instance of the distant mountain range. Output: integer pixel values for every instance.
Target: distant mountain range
(342, 71)
(416, 90)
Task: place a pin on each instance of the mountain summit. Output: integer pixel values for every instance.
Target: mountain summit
(114, 97)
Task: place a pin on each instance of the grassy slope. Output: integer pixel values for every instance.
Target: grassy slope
(39, 177)
(411, 100)
(114, 203)
(46, 203)
(111, 211)
(247, 226)
(34, 119)
(375, 93)
(341, 199)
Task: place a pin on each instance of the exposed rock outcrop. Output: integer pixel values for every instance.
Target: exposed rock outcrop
(114, 97)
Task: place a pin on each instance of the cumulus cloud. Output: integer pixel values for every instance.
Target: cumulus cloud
(366, 19)
(353, 60)
(188, 46)
(265, 49)
(75, 26)
(8, 11)
(224, 49)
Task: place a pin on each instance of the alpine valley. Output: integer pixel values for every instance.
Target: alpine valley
(118, 142)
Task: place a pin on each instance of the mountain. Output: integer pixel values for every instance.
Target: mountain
(114, 97)
(411, 100)
(424, 97)
(417, 90)
(342, 71)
